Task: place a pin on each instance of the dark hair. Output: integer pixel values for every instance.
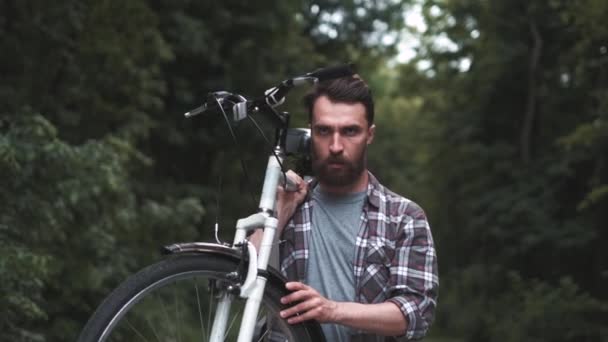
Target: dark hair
(351, 89)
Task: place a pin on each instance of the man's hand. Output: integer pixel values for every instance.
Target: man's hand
(311, 305)
(288, 201)
(381, 318)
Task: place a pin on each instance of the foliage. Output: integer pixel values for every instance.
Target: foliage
(497, 128)
(98, 166)
(74, 203)
(514, 166)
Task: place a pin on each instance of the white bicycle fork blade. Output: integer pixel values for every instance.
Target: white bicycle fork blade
(251, 311)
(220, 321)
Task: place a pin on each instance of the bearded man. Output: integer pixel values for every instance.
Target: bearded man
(360, 258)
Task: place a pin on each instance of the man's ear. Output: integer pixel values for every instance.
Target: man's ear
(370, 134)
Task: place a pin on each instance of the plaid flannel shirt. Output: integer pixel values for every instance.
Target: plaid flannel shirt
(395, 258)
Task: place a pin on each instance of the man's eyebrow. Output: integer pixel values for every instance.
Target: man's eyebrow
(353, 126)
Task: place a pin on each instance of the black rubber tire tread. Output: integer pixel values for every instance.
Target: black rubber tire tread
(175, 264)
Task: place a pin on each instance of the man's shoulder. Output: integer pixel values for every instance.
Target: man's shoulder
(302, 214)
(393, 203)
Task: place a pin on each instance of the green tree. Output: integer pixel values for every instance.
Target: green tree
(98, 166)
(74, 204)
(514, 164)
(76, 217)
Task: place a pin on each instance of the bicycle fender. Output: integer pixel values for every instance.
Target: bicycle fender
(272, 274)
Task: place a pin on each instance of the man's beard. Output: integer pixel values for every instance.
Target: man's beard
(347, 175)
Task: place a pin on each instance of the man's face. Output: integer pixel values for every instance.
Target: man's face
(340, 135)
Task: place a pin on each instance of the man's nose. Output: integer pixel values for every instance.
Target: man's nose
(336, 147)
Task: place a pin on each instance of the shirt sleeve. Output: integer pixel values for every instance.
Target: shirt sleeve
(413, 273)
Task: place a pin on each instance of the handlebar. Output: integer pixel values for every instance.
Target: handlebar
(287, 141)
(240, 107)
(333, 72)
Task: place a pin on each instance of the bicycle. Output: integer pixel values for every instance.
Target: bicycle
(227, 284)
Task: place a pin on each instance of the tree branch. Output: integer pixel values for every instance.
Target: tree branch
(528, 124)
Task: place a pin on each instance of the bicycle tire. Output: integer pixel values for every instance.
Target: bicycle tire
(163, 302)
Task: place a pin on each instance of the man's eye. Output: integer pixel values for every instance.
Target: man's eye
(350, 131)
(322, 130)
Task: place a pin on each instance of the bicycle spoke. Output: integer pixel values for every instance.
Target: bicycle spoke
(177, 320)
(153, 329)
(211, 299)
(238, 315)
(200, 312)
(164, 310)
(136, 331)
(263, 335)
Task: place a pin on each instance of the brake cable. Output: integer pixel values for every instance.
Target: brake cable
(276, 156)
(238, 147)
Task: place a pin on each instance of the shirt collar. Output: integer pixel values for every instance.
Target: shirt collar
(374, 189)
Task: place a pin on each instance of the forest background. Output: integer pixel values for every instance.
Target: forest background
(497, 125)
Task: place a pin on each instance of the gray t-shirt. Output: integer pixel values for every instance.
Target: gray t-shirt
(336, 220)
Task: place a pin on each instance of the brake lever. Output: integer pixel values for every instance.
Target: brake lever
(196, 111)
(218, 98)
(210, 97)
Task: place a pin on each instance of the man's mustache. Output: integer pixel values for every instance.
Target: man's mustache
(335, 161)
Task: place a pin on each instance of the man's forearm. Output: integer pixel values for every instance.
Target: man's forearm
(287, 202)
(256, 237)
(383, 318)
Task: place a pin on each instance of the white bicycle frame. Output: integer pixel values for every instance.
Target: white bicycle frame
(253, 287)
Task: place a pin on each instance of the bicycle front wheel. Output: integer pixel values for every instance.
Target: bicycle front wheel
(175, 300)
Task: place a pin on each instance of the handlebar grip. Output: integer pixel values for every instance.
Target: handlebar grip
(333, 72)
